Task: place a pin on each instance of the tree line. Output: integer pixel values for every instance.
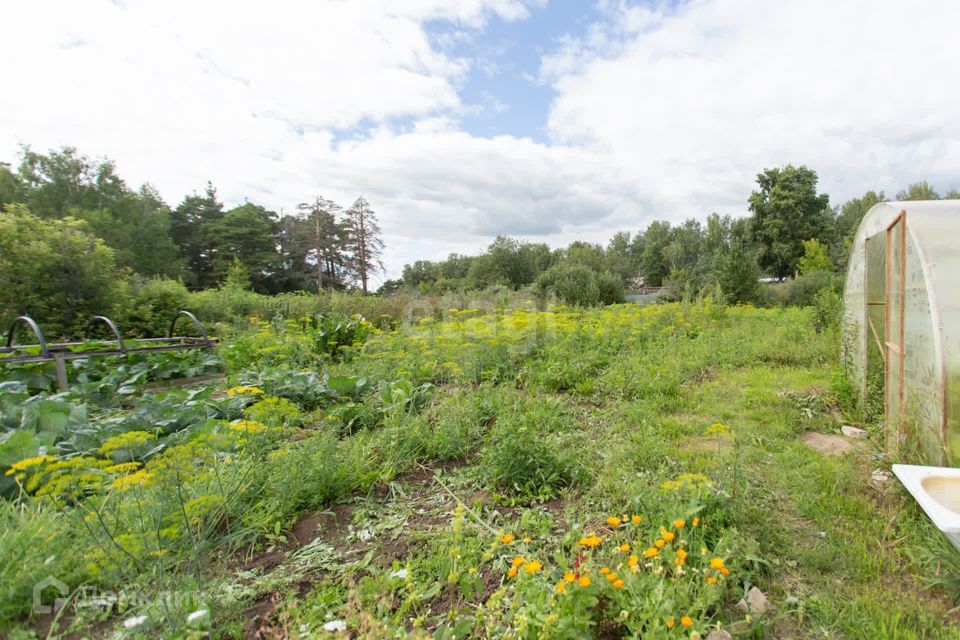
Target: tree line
(791, 230)
(200, 241)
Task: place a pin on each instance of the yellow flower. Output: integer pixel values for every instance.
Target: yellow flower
(569, 576)
(28, 462)
(686, 621)
(613, 521)
(604, 570)
(635, 519)
(590, 541)
(527, 539)
(633, 560)
(533, 566)
(123, 467)
(670, 623)
(239, 391)
(512, 573)
(612, 577)
(703, 551)
(624, 547)
(711, 580)
(138, 479)
(248, 426)
(561, 587)
(679, 524)
(659, 544)
(696, 521)
(717, 563)
(669, 536)
(507, 539)
(617, 584)
(519, 560)
(584, 581)
(651, 552)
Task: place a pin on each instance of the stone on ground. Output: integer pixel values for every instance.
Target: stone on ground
(853, 432)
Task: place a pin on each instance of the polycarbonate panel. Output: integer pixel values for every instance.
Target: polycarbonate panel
(894, 338)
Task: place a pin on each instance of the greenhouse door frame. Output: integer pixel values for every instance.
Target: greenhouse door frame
(894, 330)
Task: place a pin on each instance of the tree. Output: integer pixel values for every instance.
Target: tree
(919, 191)
(653, 262)
(55, 271)
(327, 239)
(786, 211)
(246, 234)
(189, 226)
(814, 258)
(363, 238)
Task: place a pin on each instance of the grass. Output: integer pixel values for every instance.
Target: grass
(679, 425)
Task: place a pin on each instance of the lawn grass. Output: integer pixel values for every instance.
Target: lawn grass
(397, 529)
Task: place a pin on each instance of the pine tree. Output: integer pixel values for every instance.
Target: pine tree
(364, 240)
(326, 237)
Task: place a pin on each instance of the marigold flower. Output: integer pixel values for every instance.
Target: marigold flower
(717, 563)
(584, 581)
(613, 521)
(725, 571)
(696, 521)
(512, 573)
(635, 519)
(669, 536)
(651, 552)
(533, 566)
(711, 580)
(624, 547)
(612, 577)
(507, 539)
(519, 560)
(618, 584)
(633, 560)
(561, 587)
(659, 544)
(604, 570)
(670, 623)
(569, 576)
(679, 524)
(686, 621)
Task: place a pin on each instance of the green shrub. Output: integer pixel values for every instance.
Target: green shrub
(577, 284)
(152, 308)
(802, 291)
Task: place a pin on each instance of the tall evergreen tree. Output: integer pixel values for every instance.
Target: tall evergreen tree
(363, 240)
(189, 225)
(326, 238)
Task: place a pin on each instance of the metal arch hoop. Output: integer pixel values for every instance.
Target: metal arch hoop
(113, 329)
(196, 323)
(27, 320)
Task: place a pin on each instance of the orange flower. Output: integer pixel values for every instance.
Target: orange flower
(686, 621)
(717, 563)
(651, 552)
(670, 623)
(584, 581)
(604, 570)
(561, 587)
(612, 577)
(569, 576)
(590, 541)
(659, 544)
(725, 571)
(624, 547)
(507, 539)
(533, 566)
(633, 560)
(613, 521)
(696, 521)
(669, 536)
(711, 580)
(635, 519)
(519, 560)
(679, 524)
(682, 554)
(512, 573)
(618, 584)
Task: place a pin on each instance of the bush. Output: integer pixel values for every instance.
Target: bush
(802, 292)
(152, 308)
(576, 284)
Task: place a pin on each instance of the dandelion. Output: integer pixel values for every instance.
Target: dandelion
(624, 547)
(635, 519)
(679, 524)
(613, 521)
(686, 621)
(584, 581)
(590, 541)
(533, 566)
(519, 560)
(618, 584)
(717, 563)
(508, 538)
(569, 576)
(651, 552)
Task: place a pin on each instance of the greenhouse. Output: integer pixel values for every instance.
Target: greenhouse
(901, 339)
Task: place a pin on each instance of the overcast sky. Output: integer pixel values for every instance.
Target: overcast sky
(462, 119)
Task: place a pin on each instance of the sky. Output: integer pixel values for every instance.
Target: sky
(549, 120)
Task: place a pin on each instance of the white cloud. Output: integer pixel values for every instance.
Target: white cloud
(660, 111)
